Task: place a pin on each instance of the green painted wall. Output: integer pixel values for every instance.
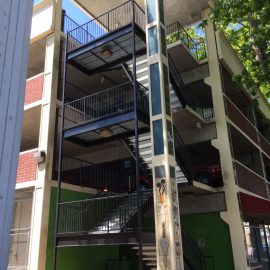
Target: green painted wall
(215, 232)
(76, 258)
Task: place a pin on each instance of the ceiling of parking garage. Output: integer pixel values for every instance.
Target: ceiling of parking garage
(186, 12)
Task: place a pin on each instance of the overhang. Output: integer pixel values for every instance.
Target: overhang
(185, 11)
(254, 206)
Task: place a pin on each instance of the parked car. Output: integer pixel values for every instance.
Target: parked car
(208, 174)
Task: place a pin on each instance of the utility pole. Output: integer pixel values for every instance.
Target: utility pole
(15, 26)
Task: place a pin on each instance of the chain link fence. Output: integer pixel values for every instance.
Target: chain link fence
(20, 231)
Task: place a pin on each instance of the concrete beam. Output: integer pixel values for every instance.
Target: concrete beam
(197, 135)
(196, 74)
(209, 203)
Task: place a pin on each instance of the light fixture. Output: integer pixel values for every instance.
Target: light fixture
(106, 133)
(106, 53)
(39, 156)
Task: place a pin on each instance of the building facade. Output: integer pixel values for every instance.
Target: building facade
(128, 119)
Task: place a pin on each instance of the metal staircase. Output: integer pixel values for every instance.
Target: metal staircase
(145, 153)
(145, 149)
(149, 255)
(120, 215)
(142, 78)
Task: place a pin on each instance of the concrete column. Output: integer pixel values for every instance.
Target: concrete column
(166, 204)
(15, 25)
(233, 214)
(41, 203)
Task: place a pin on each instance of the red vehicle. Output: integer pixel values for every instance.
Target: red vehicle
(146, 182)
(208, 174)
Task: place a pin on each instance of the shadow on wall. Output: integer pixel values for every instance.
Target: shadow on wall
(212, 235)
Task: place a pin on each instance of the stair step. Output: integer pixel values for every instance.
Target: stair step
(149, 259)
(151, 264)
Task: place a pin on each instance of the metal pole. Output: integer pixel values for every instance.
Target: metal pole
(266, 243)
(60, 159)
(138, 188)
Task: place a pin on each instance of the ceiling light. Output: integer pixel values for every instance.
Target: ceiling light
(106, 53)
(106, 133)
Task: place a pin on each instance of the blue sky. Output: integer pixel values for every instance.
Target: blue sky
(72, 11)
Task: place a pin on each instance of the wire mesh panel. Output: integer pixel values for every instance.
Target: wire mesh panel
(20, 232)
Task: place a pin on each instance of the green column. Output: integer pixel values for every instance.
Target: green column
(166, 204)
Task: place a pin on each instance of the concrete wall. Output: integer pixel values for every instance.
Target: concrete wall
(215, 233)
(42, 19)
(79, 258)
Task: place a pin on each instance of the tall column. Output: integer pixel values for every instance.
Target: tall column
(166, 204)
(233, 214)
(15, 25)
(41, 203)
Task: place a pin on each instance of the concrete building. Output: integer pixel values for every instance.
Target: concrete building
(191, 142)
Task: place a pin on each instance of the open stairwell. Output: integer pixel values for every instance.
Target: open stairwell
(122, 214)
(145, 153)
(150, 259)
(145, 149)
(142, 78)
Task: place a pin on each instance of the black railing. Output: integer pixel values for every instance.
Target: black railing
(72, 92)
(67, 23)
(194, 256)
(113, 214)
(182, 155)
(119, 264)
(107, 103)
(186, 96)
(83, 173)
(176, 31)
(104, 24)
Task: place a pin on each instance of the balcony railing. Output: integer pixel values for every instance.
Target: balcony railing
(67, 23)
(241, 121)
(27, 167)
(186, 96)
(83, 173)
(104, 215)
(249, 180)
(72, 92)
(238, 118)
(34, 89)
(264, 143)
(104, 104)
(176, 32)
(106, 23)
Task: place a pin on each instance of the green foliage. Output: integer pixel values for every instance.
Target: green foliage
(246, 24)
(192, 38)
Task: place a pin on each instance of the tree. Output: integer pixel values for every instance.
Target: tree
(246, 24)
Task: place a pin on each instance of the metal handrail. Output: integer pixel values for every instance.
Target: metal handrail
(105, 104)
(84, 173)
(185, 94)
(198, 260)
(114, 264)
(198, 49)
(106, 198)
(104, 215)
(68, 24)
(110, 21)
